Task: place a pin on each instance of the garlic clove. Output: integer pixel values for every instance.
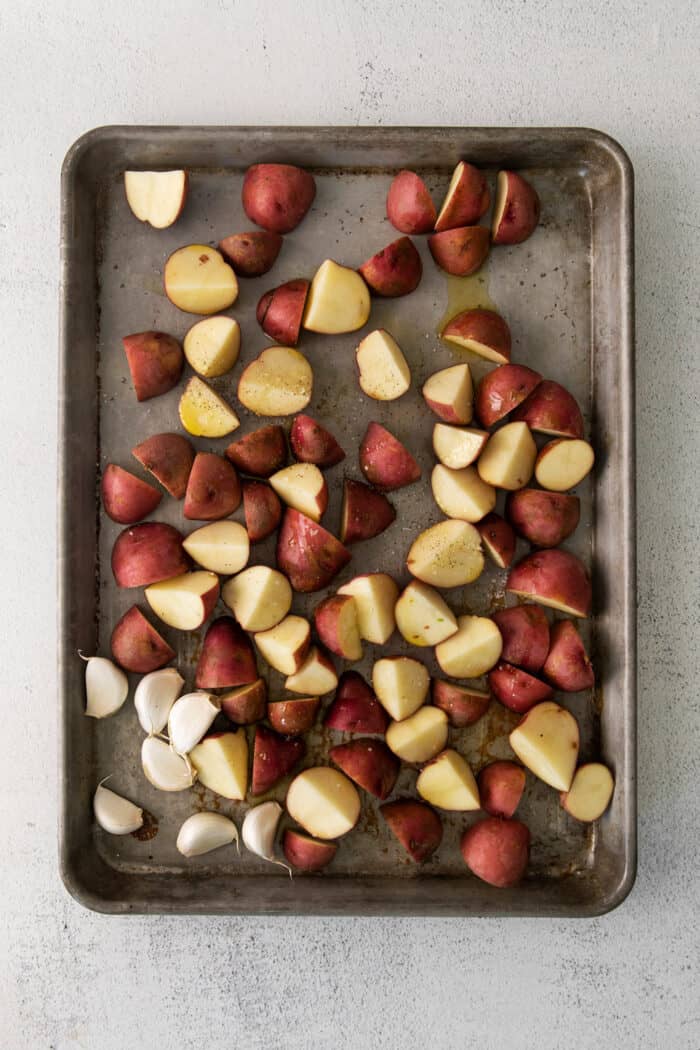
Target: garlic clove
(189, 718)
(259, 830)
(154, 697)
(204, 832)
(163, 768)
(115, 814)
(106, 686)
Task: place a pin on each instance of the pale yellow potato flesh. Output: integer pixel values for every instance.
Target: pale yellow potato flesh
(285, 644)
(448, 783)
(473, 650)
(179, 601)
(423, 616)
(546, 741)
(509, 457)
(315, 677)
(199, 281)
(222, 547)
(563, 464)
(401, 685)
(338, 300)
(221, 762)
(447, 554)
(156, 197)
(451, 390)
(384, 371)
(462, 493)
(203, 413)
(258, 597)
(277, 383)
(212, 345)
(419, 737)
(375, 598)
(324, 801)
(303, 487)
(458, 447)
(590, 792)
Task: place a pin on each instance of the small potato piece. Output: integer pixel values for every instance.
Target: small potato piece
(516, 689)
(148, 553)
(261, 452)
(497, 851)
(466, 200)
(156, 197)
(198, 280)
(221, 547)
(384, 461)
(419, 737)
(184, 601)
(277, 196)
(590, 792)
(501, 786)
(169, 458)
(259, 597)
(213, 488)
(137, 646)
(262, 509)
(462, 493)
(355, 708)
(447, 554)
(503, 389)
(484, 332)
(295, 715)
(309, 555)
(315, 677)
(545, 519)
(277, 383)
(554, 578)
(155, 362)
(285, 645)
(509, 457)
(226, 658)
(458, 447)
(375, 595)
(551, 409)
(338, 300)
(422, 615)
(126, 498)
(416, 826)
(281, 310)
(305, 853)
(312, 443)
(525, 633)
(211, 346)
(251, 254)
(546, 740)
(274, 757)
(449, 393)
(463, 705)
(409, 207)
(365, 513)
(324, 801)
(563, 463)
(567, 666)
(395, 270)
(368, 762)
(400, 684)
(221, 763)
(246, 703)
(203, 413)
(498, 539)
(447, 782)
(337, 626)
(384, 371)
(473, 650)
(461, 251)
(303, 487)
(516, 210)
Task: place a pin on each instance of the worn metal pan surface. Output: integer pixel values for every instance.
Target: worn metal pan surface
(568, 296)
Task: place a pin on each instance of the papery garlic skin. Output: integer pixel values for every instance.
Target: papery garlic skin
(154, 697)
(166, 770)
(115, 814)
(204, 832)
(259, 830)
(189, 718)
(106, 686)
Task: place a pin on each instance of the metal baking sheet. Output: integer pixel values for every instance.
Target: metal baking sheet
(567, 294)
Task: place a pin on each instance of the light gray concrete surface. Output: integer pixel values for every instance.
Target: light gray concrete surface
(72, 979)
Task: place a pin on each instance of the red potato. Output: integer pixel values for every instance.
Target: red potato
(383, 372)
(497, 851)
(286, 645)
(312, 443)
(213, 489)
(516, 689)
(227, 658)
(156, 197)
(274, 756)
(551, 409)
(462, 704)
(365, 513)
(261, 453)
(502, 390)
(385, 462)
(467, 198)
(251, 254)
(498, 539)
(368, 762)
(293, 716)
(306, 853)
(155, 361)
(281, 310)
(508, 459)
(563, 463)
(590, 792)
(458, 447)
(315, 677)
(185, 601)
(246, 703)
(198, 280)
(127, 499)
(567, 665)
(417, 827)
(525, 633)
(169, 458)
(136, 644)
(395, 270)
(409, 206)
(554, 578)
(545, 519)
(516, 211)
(148, 553)
(277, 196)
(501, 786)
(307, 553)
(461, 251)
(262, 508)
(337, 626)
(355, 708)
(449, 394)
(484, 332)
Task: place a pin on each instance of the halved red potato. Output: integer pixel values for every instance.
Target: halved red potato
(498, 539)
(199, 281)
(420, 736)
(384, 371)
(590, 792)
(355, 708)
(546, 740)
(509, 457)
(447, 782)
(473, 650)
(409, 206)
(306, 853)
(126, 498)
(277, 196)
(156, 197)
(376, 594)
(246, 703)
(458, 447)
(554, 578)
(422, 615)
(551, 409)
(502, 390)
(545, 519)
(137, 646)
(253, 253)
(308, 554)
(447, 554)
(466, 200)
(416, 826)
(285, 646)
(274, 757)
(226, 658)
(384, 461)
(148, 553)
(567, 665)
(395, 270)
(563, 463)
(400, 684)
(338, 300)
(462, 493)
(261, 452)
(203, 413)
(280, 311)
(365, 512)
(315, 677)
(221, 547)
(464, 705)
(449, 394)
(262, 509)
(295, 715)
(324, 801)
(302, 486)
(501, 786)
(169, 458)
(497, 851)
(212, 345)
(155, 362)
(516, 689)
(312, 443)
(337, 626)
(213, 488)
(525, 633)
(484, 332)
(279, 382)
(461, 251)
(516, 211)
(259, 597)
(184, 601)
(368, 762)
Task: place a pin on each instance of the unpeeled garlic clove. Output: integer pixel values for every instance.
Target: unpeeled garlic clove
(165, 770)
(106, 686)
(204, 832)
(154, 697)
(259, 829)
(115, 814)
(189, 718)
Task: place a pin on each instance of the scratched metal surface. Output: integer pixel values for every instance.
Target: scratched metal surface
(546, 289)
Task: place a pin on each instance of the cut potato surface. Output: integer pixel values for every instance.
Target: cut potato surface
(221, 763)
(278, 383)
(211, 346)
(449, 393)
(338, 300)
(462, 493)
(375, 598)
(324, 801)
(285, 645)
(419, 737)
(562, 464)
(156, 197)
(384, 371)
(448, 783)
(447, 555)
(590, 792)
(303, 487)
(184, 601)
(546, 741)
(473, 650)
(221, 547)
(458, 447)
(400, 684)
(315, 677)
(259, 597)
(509, 457)
(203, 413)
(198, 280)
(422, 615)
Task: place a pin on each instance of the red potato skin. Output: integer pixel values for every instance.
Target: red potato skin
(409, 206)
(543, 518)
(385, 462)
(126, 498)
(293, 716)
(280, 311)
(469, 202)
(525, 633)
(497, 851)
(501, 786)
(498, 538)
(567, 666)
(262, 508)
(461, 251)
(305, 853)
(416, 825)
(395, 270)
(365, 513)
(277, 196)
(368, 762)
(308, 554)
(137, 646)
(245, 704)
(261, 452)
(503, 389)
(213, 489)
(521, 213)
(155, 361)
(326, 617)
(355, 708)
(251, 254)
(312, 443)
(461, 705)
(148, 553)
(483, 326)
(551, 409)
(516, 689)
(274, 756)
(169, 458)
(554, 574)
(227, 658)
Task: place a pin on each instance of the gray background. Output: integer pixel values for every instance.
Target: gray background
(72, 979)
